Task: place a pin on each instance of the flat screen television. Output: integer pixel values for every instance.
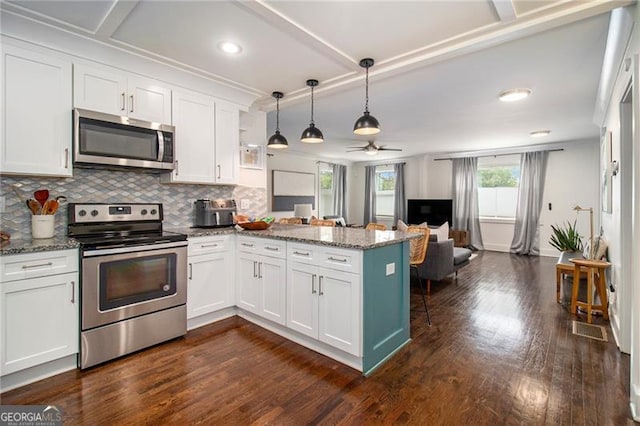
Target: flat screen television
(434, 212)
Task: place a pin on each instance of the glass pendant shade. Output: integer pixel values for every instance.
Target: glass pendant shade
(367, 124)
(277, 141)
(312, 134)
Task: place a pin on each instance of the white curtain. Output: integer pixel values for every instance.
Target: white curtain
(400, 199)
(533, 166)
(338, 190)
(465, 202)
(369, 194)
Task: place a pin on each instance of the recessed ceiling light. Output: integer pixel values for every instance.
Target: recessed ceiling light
(539, 133)
(512, 95)
(229, 47)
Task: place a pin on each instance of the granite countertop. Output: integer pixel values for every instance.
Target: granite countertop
(355, 238)
(28, 245)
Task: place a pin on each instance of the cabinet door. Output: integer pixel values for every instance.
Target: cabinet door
(302, 299)
(194, 118)
(39, 321)
(210, 283)
(149, 101)
(36, 123)
(247, 284)
(227, 143)
(273, 275)
(339, 306)
(99, 89)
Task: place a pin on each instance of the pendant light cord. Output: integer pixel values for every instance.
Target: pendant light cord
(312, 105)
(366, 91)
(277, 114)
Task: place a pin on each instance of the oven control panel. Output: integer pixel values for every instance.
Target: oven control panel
(86, 213)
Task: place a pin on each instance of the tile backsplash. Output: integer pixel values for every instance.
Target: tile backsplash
(106, 186)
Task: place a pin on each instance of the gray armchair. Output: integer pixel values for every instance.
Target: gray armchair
(442, 260)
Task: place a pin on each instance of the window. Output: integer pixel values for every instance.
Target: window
(325, 201)
(498, 187)
(385, 185)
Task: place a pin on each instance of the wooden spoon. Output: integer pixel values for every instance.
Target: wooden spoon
(34, 206)
(50, 207)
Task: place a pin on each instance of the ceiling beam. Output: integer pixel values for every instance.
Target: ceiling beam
(114, 18)
(506, 10)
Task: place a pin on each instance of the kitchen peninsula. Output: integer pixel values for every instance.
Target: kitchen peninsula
(343, 292)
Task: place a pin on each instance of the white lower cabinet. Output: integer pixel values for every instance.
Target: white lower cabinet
(325, 304)
(38, 315)
(261, 283)
(210, 279)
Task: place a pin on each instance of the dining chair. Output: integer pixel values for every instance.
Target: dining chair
(322, 222)
(417, 253)
(376, 227)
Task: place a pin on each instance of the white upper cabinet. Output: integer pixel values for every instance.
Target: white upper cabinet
(109, 90)
(227, 143)
(194, 120)
(207, 147)
(36, 123)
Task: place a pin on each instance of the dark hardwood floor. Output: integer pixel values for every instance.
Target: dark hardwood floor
(501, 351)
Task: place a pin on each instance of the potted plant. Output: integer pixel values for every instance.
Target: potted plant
(566, 237)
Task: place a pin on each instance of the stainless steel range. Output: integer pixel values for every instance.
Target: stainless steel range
(133, 279)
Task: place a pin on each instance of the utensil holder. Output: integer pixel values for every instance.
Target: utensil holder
(42, 226)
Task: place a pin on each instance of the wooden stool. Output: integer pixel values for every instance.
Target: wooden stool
(564, 266)
(592, 267)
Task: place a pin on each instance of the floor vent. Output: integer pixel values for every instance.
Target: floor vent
(596, 332)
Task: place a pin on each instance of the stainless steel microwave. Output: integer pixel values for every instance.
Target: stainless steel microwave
(113, 141)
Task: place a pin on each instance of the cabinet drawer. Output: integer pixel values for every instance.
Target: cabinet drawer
(273, 248)
(32, 265)
(304, 253)
(212, 244)
(340, 259)
(262, 246)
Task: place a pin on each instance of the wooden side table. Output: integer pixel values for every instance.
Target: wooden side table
(593, 268)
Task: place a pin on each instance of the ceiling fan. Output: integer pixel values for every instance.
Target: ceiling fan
(371, 148)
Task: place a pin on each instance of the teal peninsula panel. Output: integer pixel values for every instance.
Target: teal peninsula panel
(385, 303)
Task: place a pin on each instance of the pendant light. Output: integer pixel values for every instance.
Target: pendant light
(277, 140)
(312, 134)
(367, 124)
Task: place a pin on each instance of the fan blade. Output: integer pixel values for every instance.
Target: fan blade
(355, 150)
(388, 149)
(357, 147)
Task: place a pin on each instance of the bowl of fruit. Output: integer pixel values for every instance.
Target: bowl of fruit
(255, 224)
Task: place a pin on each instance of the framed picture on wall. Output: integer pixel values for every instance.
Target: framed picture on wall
(252, 156)
(606, 173)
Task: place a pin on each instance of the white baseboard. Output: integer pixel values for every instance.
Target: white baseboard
(497, 247)
(38, 372)
(212, 317)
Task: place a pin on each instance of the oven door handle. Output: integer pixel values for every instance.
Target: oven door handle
(133, 249)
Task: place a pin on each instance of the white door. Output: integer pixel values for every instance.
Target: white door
(302, 299)
(40, 321)
(339, 306)
(227, 143)
(209, 277)
(148, 101)
(36, 118)
(194, 119)
(247, 283)
(99, 89)
(273, 275)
